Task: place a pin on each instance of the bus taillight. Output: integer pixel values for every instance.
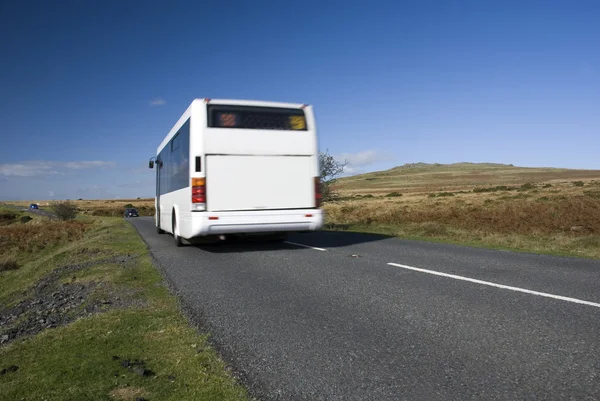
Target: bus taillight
(198, 190)
(317, 192)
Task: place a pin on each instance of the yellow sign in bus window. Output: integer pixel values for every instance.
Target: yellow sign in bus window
(298, 122)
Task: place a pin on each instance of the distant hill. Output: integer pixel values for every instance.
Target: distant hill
(422, 177)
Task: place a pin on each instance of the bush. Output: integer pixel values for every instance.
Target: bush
(527, 186)
(394, 194)
(25, 219)
(330, 169)
(494, 189)
(64, 210)
(548, 186)
(578, 183)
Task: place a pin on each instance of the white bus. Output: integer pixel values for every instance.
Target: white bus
(237, 167)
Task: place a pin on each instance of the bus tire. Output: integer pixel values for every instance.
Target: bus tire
(176, 237)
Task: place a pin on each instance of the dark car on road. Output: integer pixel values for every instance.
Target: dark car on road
(33, 206)
(131, 212)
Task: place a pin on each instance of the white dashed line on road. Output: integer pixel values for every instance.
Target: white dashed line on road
(506, 287)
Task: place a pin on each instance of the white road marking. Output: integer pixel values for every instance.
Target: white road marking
(506, 287)
(305, 246)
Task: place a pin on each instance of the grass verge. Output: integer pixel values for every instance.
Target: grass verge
(122, 337)
(560, 244)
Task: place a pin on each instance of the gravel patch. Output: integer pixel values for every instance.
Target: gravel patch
(55, 304)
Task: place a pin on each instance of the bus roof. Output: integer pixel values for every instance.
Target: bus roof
(225, 102)
(258, 103)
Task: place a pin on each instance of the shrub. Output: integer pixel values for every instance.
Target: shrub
(548, 186)
(445, 194)
(527, 186)
(330, 169)
(64, 210)
(25, 219)
(578, 183)
(393, 194)
(494, 189)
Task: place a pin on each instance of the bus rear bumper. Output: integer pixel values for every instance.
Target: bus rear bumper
(272, 221)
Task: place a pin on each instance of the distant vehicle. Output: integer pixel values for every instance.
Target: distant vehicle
(237, 167)
(131, 212)
(33, 206)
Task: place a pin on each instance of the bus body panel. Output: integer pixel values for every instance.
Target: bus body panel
(178, 201)
(213, 223)
(240, 142)
(261, 180)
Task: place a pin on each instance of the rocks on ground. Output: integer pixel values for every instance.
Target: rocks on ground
(56, 304)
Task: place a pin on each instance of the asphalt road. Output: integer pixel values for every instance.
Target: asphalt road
(341, 323)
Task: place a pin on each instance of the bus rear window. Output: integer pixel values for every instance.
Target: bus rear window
(248, 117)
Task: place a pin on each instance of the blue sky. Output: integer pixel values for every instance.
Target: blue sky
(90, 88)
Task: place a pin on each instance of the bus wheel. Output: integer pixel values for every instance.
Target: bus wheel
(176, 237)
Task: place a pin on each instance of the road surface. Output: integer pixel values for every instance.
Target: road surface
(341, 316)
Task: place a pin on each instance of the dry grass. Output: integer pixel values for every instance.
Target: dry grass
(33, 237)
(129, 393)
(8, 262)
(524, 214)
(488, 205)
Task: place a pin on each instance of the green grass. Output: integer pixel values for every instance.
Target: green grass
(75, 362)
